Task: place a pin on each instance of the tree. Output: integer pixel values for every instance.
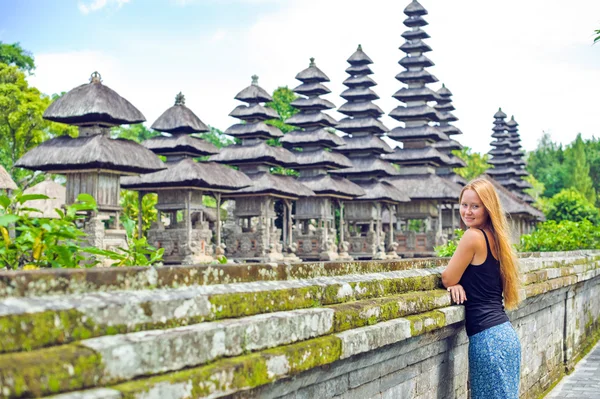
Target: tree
(476, 163)
(536, 191)
(592, 155)
(579, 170)
(571, 205)
(15, 55)
(282, 99)
(137, 133)
(217, 138)
(597, 38)
(547, 164)
(21, 124)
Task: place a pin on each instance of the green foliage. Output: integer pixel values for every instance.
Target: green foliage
(137, 253)
(41, 242)
(571, 205)
(416, 225)
(15, 55)
(546, 164)
(137, 133)
(217, 138)
(477, 164)
(449, 249)
(597, 33)
(579, 169)
(130, 204)
(21, 124)
(561, 236)
(536, 191)
(282, 99)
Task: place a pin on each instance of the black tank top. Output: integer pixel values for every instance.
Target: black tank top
(483, 286)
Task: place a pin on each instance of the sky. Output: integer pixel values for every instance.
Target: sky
(533, 58)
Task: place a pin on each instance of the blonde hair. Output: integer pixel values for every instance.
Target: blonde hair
(499, 227)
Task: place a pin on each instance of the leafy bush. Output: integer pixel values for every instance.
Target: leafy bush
(571, 205)
(561, 236)
(449, 249)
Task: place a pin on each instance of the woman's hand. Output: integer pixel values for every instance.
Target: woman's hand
(457, 293)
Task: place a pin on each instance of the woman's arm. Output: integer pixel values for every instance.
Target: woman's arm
(462, 257)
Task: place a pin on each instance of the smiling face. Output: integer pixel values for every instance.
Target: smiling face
(472, 211)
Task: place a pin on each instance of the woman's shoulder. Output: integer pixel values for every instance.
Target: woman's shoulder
(474, 235)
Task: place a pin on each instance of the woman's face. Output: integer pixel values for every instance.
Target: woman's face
(472, 211)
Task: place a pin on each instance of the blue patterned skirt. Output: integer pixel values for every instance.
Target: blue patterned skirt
(495, 363)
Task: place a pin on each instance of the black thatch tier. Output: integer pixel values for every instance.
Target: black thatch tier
(416, 76)
(254, 93)
(6, 182)
(321, 159)
(332, 186)
(362, 124)
(450, 130)
(359, 57)
(93, 104)
(499, 126)
(368, 143)
(458, 179)
(320, 137)
(361, 109)
(415, 8)
(455, 162)
(359, 93)
(427, 187)
(414, 34)
(359, 70)
(425, 132)
(311, 89)
(418, 156)
(508, 182)
(448, 145)
(382, 191)
(521, 172)
(368, 166)
(501, 161)
(501, 134)
(512, 204)
(416, 62)
(264, 183)
(504, 171)
(418, 113)
(307, 120)
(501, 152)
(527, 198)
(416, 94)
(359, 80)
(312, 104)
(254, 112)
(445, 93)
(413, 22)
(415, 46)
(189, 174)
(180, 144)
(254, 130)
(443, 106)
(500, 143)
(312, 74)
(447, 116)
(179, 119)
(69, 155)
(499, 114)
(260, 153)
(512, 125)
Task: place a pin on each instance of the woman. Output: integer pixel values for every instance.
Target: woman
(482, 272)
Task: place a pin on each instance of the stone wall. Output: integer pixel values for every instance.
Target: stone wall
(320, 330)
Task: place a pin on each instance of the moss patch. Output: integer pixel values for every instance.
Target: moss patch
(426, 322)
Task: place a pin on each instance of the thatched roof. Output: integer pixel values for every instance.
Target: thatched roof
(93, 103)
(332, 185)
(414, 46)
(321, 159)
(371, 166)
(359, 57)
(512, 204)
(369, 143)
(264, 183)
(499, 114)
(382, 191)
(253, 130)
(418, 156)
(6, 182)
(447, 145)
(260, 153)
(359, 80)
(357, 124)
(360, 108)
(415, 34)
(311, 89)
(416, 76)
(415, 8)
(312, 104)
(416, 62)
(359, 69)
(418, 113)
(189, 173)
(414, 22)
(57, 197)
(302, 138)
(359, 93)
(426, 187)
(450, 130)
(254, 93)
(180, 144)
(307, 120)
(424, 132)
(67, 155)
(417, 94)
(312, 74)
(254, 112)
(179, 119)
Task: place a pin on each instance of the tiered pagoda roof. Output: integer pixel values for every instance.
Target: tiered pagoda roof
(420, 155)
(363, 145)
(312, 159)
(254, 156)
(444, 107)
(507, 156)
(180, 148)
(94, 107)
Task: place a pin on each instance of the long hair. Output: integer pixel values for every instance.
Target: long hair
(499, 227)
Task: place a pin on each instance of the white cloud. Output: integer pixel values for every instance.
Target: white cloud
(96, 5)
